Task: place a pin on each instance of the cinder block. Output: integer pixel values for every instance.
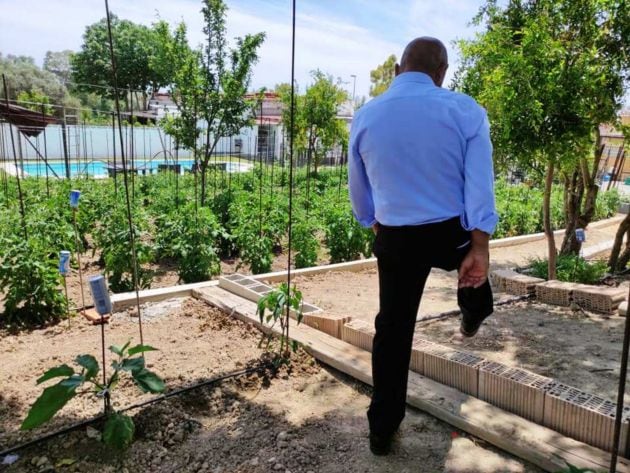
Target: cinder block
(453, 368)
(556, 292)
(584, 417)
(506, 280)
(358, 333)
(513, 389)
(330, 324)
(418, 346)
(600, 299)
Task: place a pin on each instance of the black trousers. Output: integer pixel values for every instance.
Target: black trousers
(405, 257)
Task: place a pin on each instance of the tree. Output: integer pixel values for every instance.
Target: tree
(59, 63)
(35, 100)
(210, 85)
(317, 129)
(226, 75)
(23, 75)
(382, 76)
(134, 47)
(549, 72)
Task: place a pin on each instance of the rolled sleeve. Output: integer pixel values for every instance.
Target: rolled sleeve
(480, 211)
(359, 184)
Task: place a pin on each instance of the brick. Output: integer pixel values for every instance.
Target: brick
(583, 416)
(513, 389)
(600, 299)
(358, 333)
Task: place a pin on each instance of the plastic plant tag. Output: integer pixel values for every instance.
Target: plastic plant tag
(74, 198)
(580, 235)
(64, 263)
(100, 294)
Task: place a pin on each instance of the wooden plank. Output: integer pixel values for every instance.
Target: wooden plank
(124, 300)
(536, 444)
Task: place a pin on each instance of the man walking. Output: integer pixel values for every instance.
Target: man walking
(420, 174)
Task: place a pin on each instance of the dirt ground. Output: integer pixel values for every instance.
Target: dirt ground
(308, 419)
(164, 274)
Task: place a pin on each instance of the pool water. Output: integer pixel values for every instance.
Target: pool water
(99, 168)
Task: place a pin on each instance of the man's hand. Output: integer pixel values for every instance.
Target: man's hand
(375, 228)
(473, 271)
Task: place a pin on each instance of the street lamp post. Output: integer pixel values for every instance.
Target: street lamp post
(354, 86)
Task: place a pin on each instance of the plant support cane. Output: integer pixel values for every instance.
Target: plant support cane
(64, 270)
(74, 203)
(103, 306)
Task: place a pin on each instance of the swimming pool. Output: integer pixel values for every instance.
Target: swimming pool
(99, 168)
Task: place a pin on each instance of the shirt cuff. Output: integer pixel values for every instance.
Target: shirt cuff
(486, 224)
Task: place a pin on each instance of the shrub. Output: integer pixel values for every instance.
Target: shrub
(305, 244)
(30, 280)
(116, 251)
(607, 204)
(345, 238)
(571, 268)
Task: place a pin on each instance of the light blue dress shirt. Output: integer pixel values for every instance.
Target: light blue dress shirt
(421, 154)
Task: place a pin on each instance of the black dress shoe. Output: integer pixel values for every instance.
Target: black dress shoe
(470, 325)
(381, 445)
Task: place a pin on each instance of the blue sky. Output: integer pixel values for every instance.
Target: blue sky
(340, 37)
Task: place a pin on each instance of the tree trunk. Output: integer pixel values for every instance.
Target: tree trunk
(625, 256)
(613, 261)
(579, 211)
(551, 242)
(202, 169)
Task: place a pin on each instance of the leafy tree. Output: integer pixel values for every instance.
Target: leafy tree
(23, 75)
(59, 63)
(316, 126)
(226, 75)
(135, 47)
(549, 72)
(34, 100)
(210, 85)
(382, 76)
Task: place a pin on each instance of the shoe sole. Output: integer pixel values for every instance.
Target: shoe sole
(468, 334)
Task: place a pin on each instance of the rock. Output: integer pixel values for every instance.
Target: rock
(282, 436)
(92, 433)
(278, 467)
(41, 461)
(254, 461)
(283, 444)
(271, 460)
(179, 436)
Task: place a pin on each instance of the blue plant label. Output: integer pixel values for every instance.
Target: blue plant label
(64, 263)
(580, 235)
(74, 198)
(100, 294)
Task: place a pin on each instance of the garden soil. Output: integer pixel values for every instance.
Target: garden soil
(306, 418)
(579, 348)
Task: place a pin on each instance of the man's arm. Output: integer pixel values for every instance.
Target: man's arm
(480, 214)
(359, 184)
(473, 271)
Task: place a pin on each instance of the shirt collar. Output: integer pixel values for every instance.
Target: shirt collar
(407, 77)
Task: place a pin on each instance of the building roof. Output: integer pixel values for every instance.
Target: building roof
(29, 122)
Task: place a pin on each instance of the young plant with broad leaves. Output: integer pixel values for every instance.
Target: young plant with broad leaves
(274, 308)
(119, 428)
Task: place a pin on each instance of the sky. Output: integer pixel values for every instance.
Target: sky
(340, 37)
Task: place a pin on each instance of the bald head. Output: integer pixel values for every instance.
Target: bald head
(426, 55)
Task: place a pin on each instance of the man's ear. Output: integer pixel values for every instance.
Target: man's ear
(440, 75)
(396, 69)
